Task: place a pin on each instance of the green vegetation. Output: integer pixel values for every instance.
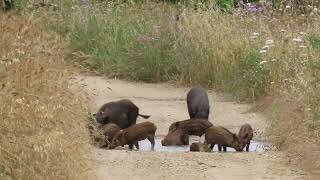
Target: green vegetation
(126, 44)
(315, 41)
(145, 42)
(20, 4)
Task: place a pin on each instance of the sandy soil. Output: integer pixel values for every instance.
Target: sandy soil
(166, 103)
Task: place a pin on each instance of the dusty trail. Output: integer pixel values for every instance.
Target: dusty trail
(166, 104)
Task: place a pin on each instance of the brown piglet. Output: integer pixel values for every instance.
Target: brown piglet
(196, 127)
(246, 134)
(133, 134)
(199, 147)
(224, 138)
(110, 130)
(176, 138)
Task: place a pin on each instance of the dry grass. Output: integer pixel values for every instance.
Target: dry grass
(287, 130)
(43, 133)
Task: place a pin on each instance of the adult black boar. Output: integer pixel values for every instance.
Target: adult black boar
(198, 103)
(122, 113)
(224, 138)
(132, 135)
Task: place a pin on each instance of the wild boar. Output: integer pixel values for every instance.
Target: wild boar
(224, 138)
(176, 138)
(198, 103)
(196, 127)
(133, 134)
(246, 134)
(200, 147)
(110, 130)
(123, 113)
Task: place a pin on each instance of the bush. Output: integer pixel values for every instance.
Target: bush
(225, 5)
(251, 78)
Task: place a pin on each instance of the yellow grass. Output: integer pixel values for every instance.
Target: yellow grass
(42, 127)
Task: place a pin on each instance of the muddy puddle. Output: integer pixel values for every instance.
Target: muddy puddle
(145, 145)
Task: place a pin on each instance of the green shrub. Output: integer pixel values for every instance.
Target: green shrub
(251, 79)
(225, 5)
(20, 4)
(315, 41)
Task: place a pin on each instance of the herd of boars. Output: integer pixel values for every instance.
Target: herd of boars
(118, 122)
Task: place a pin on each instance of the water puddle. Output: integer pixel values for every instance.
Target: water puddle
(145, 145)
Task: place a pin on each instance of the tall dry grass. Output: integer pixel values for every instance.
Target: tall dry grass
(288, 131)
(43, 133)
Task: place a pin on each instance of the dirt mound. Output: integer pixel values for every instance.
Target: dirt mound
(43, 133)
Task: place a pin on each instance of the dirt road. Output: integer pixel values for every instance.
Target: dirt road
(166, 104)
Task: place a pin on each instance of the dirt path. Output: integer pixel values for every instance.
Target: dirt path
(167, 104)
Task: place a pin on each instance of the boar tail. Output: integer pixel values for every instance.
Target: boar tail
(144, 116)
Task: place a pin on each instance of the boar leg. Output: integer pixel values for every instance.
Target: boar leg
(225, 148)
(130, 146)
(185, 139)
(219, 147)
(151, 139)
(136, 144)
(211, 146)
(247, 146)
(192, 115)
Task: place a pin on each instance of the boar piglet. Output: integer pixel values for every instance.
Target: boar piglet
(246, 134)
(196, 127)
(224, 138)
(109, 130)
(177, 137)
(135, 133)
(199, 147)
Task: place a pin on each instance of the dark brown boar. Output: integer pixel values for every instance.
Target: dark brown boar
(246, 134)
(124, 113)
(195, 127)
(199, 147)
(176, 138)
(198, 103)
(135, 133)
(224, 138)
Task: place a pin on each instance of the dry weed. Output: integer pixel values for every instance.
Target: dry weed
(43, 133)
(287, 130)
